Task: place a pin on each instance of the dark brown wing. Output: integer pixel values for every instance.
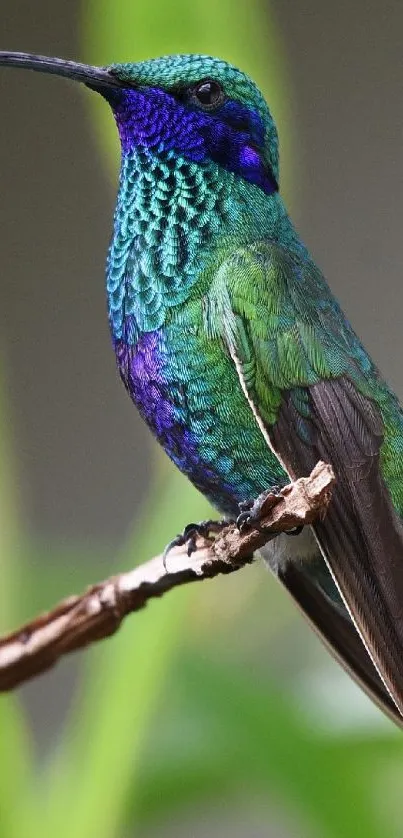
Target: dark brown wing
(297, 358)
(335, 629)
(361, 537)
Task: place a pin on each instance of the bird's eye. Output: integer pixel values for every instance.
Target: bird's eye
(209, 93)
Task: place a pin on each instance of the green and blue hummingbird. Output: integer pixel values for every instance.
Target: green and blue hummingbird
(235, 351)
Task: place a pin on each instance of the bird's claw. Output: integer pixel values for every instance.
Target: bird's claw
(251, 511)
(202, 529)
(245, 520)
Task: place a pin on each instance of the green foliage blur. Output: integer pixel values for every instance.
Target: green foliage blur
(212, 702)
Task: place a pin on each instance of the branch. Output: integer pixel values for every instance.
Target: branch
(80, 620)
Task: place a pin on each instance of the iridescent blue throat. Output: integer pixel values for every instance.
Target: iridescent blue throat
(167, 215)
(180, 196)
(232, 136)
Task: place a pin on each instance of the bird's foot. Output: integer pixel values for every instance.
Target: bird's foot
(251, 512)
(202, 529)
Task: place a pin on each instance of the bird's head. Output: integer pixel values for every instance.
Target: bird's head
(203, 109)
(198, 107)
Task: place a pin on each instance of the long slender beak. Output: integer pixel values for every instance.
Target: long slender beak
(98, 78)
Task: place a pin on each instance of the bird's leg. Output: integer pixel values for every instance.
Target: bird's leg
(251, 511)
(203, 529)
(246, 505)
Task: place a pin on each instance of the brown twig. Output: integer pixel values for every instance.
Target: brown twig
(98, 613)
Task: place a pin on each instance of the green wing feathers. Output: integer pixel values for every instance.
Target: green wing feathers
(317, 395)
(275, 311)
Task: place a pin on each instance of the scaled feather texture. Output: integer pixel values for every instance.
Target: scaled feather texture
(239, 358)
(236, 353)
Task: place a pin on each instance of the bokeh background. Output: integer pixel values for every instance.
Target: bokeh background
(216, 711)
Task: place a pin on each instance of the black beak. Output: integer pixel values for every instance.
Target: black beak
(98, 78)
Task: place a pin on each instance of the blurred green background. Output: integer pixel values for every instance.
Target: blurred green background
(216, 711)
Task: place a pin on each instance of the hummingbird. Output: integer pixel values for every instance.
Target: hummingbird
(236, 353)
